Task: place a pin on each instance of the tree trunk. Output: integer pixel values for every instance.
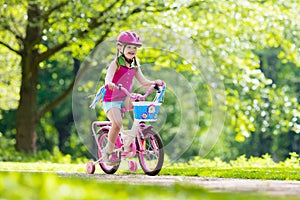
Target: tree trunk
(26, 117)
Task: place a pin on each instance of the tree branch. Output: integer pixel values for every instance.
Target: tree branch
(108, 8)
(52, 51)
(10, 48)
(162, 9)
(17, 32)
(96, 22)
(54, 8)
(7, 27)
(48, 107)
(103, 36)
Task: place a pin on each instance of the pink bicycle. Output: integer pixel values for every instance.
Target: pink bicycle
(141, 140)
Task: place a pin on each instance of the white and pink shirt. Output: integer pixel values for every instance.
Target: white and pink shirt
(124, 75)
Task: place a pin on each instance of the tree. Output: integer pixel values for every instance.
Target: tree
(39, 29)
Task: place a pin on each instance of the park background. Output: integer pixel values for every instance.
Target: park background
(254, 46)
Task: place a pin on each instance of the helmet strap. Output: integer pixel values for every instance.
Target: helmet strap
(126, 59)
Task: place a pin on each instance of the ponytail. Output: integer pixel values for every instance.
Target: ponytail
(117, 60)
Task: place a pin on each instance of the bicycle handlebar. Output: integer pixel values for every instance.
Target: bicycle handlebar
(139, 96)
(136, 97)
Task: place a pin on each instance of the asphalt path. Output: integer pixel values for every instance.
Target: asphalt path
(270, 187)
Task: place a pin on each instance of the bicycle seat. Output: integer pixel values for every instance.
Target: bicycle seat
(102, 123)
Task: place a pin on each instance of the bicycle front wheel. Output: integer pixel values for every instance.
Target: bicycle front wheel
(150, 152)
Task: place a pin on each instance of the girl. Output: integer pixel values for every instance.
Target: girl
(122, 70)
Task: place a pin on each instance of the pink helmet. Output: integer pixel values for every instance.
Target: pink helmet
(130, 38)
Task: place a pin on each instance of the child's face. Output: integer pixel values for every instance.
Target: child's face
(129, 51)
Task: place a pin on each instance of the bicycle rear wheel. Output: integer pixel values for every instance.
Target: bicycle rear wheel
(151, 153)
(103, 140)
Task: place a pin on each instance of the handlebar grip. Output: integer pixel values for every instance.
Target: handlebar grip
(156, 86)
(119, 86)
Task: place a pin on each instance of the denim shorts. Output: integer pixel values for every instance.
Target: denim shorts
(113, 104)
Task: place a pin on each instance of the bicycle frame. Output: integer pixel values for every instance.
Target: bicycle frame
(135, 131)
(141, 139)
(138, 126)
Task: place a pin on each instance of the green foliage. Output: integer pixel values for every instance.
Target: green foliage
(253, 168)
(10, 75)
(293, 161)
(8, 153)
(264, 161)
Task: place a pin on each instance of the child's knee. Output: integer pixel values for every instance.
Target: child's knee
(117, 124)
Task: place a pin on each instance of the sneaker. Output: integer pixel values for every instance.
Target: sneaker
(111, 159)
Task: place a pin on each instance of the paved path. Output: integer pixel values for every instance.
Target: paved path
(271, 187)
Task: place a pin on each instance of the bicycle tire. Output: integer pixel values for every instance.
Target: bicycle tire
(102, 140)
(151, 154)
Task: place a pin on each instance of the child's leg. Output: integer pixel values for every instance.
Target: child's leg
(128, 103)
(114, 115)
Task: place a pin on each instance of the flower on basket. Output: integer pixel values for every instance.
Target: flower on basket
(151, 109)
(144, 115)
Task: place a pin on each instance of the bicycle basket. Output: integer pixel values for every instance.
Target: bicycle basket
(145, 110)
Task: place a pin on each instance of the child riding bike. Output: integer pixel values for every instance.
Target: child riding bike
(122, 70)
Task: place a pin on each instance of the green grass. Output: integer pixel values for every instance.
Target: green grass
(41, 167)
(266, 173)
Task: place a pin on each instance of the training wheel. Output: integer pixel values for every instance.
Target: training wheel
(90, 167)
(132, 166)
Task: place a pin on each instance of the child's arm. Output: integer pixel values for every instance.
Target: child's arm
(110, 74)
(142, 79)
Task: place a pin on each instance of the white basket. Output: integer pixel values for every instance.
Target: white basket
(145, 110)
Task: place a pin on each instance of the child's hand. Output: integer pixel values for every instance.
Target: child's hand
(159, 82)
(111, 86)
